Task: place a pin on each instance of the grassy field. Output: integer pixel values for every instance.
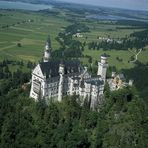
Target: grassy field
(124, 55)
(32, 36)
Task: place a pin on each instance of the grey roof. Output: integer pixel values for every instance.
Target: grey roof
(76, 78)
(52, 67)
(105, 55)
(95, 81)
(121, 76)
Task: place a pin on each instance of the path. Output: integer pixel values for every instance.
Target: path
(136, 56)
(7, 47)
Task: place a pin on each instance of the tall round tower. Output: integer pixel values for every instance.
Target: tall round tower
(47, 50)
(102, 67)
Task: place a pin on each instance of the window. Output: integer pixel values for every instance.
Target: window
(36, 86)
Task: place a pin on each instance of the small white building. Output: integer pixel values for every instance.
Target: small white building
(78, 35)
(53, 79)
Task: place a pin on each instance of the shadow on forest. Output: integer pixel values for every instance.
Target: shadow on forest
(140, 76)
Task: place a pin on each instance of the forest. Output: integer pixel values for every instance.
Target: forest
(70, 47)
(121, 121)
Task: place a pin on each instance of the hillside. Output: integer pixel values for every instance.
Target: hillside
(122, 121)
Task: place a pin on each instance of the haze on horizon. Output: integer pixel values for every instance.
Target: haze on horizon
(126, 4)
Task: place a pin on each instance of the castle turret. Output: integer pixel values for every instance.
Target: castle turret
(102, 67)
(47, 50)
(60, 90)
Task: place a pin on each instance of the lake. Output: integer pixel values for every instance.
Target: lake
(113, 18)
(23, 6)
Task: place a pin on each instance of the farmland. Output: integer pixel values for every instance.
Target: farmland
(31, 29)
(31, 34)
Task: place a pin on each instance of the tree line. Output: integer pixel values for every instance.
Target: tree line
(135, 40)
(9, 79)
(70, 47)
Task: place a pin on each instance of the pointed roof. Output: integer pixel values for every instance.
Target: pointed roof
(48, 42)
(51, 68)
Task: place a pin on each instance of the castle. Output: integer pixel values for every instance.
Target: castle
(53, 79)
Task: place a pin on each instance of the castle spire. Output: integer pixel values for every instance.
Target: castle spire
(47, 50)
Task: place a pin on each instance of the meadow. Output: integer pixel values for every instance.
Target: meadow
(31, 34)
(31, 29)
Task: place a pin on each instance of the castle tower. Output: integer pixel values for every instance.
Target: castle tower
(102, 67)
(47, 50)
(60, 90)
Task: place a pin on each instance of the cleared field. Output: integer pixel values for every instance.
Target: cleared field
(124, 55)
(31, 30)
(106, 31)
(143, 57)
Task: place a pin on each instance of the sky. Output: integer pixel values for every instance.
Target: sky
(128, 4)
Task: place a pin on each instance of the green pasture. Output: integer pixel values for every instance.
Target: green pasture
(105, 30)
(124, 55)
(32, 36)
(143, 57)
(14, 68)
